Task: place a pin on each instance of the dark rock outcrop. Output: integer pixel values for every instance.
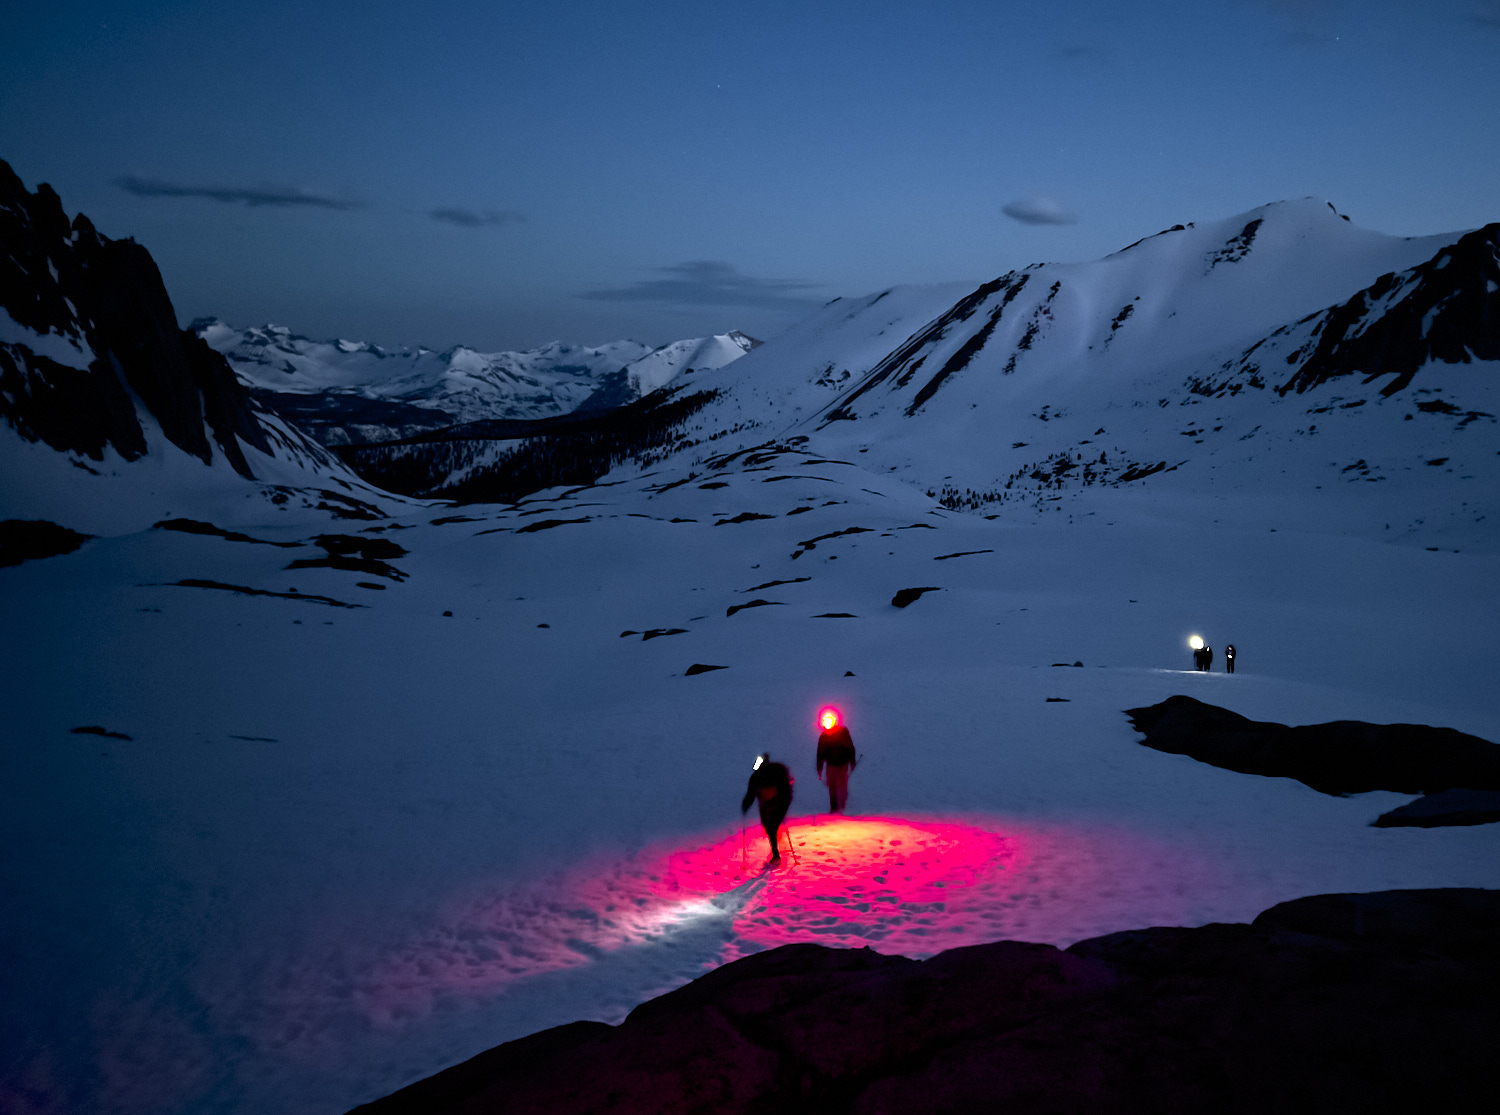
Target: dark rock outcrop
(28, 539)
(105, 300)
(356, 554)
(1341, 757)
(907, 596)
(1381, 1002)
(1447, 309)
(1446, 807)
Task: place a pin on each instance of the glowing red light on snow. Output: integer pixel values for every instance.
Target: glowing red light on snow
(906, 885)
(829, 719)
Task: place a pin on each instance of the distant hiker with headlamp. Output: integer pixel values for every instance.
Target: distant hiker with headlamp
(771, 785)
(1203, 654)
(836, 753)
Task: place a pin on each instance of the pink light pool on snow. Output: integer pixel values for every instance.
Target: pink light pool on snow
(904, 885)
(911, 886)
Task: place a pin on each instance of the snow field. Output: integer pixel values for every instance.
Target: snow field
(348, 847)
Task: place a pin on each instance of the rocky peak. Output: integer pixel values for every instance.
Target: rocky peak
(1446, 309)
(94, 339)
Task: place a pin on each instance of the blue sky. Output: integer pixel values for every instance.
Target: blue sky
(506, 174)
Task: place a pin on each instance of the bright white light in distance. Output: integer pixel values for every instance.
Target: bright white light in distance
(1195, 641)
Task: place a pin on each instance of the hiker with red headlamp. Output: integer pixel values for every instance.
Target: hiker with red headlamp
(836, 754)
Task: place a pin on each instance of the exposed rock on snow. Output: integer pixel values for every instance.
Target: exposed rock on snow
(355, 554)
(195, 526)
(1445, 807)
(1379, 1002)
(25, 540)
(97, 730)
(245, 590)
(548, 524)
(757, 603)
(906, 596)
(1341, 757)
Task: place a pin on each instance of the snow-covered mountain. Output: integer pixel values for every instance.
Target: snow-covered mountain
(346, 392)
(703, 354)
(1283, 351)
(1280, 350)
(110, 410)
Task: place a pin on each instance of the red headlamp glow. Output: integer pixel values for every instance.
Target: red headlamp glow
(828, 719)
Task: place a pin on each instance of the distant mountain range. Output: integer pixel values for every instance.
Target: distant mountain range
(350, 392)
(1278, 351)
(1282, 350)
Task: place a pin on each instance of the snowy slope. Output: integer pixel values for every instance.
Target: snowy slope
(344, 847)
(354, 801)
(1191, 360)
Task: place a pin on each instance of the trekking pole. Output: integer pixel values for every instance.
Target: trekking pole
(744, 865)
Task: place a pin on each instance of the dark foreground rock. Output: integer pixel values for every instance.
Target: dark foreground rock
(1341, 757)
(1379, 1002)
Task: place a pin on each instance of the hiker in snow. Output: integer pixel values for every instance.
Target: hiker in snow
(1229, 658)
(1200, 658)
(836, 753)
(1208, 658)
(771, 785)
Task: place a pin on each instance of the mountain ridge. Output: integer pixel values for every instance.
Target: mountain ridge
(1044, 386)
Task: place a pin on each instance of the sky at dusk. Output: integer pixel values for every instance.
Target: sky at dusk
(504, 174)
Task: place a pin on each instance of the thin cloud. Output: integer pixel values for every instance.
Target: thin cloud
(277, 197)
(1307, 22)
(1300, 9)
(1038, 210)
(1487, 15)
(1081, 52)
(711, 282)
(468, 218)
